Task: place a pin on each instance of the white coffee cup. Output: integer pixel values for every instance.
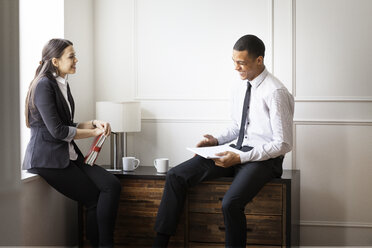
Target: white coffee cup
(161, 165)
(130, 163)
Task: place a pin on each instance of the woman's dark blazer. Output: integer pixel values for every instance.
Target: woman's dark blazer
(49, 120)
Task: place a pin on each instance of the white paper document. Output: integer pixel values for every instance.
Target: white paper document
(210, 151)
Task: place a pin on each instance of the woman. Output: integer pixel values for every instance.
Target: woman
(52, 152)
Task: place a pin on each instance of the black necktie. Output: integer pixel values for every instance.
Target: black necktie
(244, 116)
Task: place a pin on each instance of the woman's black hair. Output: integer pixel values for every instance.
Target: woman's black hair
(53, 49)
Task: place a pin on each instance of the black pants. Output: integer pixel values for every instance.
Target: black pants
(248, 180)
(94, 187)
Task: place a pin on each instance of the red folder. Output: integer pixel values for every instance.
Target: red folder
(94, 150)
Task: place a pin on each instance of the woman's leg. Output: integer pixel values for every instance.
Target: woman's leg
(108, 200)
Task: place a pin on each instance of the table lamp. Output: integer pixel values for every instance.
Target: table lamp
(123, 117)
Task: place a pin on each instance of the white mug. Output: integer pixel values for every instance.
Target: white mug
(130, 163)
(161, 165)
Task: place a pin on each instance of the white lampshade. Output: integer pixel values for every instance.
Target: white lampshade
(122, 116)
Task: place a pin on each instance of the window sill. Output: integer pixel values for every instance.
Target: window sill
(28, 177)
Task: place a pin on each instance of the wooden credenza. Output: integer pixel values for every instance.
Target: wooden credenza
(272, 216)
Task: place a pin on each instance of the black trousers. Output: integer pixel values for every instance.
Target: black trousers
(94, 187)
(248, 180)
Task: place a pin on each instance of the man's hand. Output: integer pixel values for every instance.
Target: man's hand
(228, 159)
(208, 141)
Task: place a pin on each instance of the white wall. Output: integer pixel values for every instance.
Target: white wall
(176, 61)
(114, 54)
(79, 24)
(183, 69)
(175, 57)
(333, 119)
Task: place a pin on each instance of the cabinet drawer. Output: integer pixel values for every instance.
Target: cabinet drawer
(141, 196)
(139, 203)
(144, 243)
(134, 226)
(138, 231)
(207, 198)
(210, 228)
(215, 245)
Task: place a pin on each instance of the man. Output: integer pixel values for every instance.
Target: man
(262, 128)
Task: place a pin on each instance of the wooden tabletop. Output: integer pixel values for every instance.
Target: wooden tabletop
(149, 172)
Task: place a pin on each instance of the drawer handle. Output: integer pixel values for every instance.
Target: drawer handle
(222, 228)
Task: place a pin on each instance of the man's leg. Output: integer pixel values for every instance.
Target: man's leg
(178, 180)
(248, 181)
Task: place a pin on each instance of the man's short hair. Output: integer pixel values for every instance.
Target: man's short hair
(252, 44)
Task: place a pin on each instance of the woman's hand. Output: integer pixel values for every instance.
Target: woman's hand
(97, 131)
(92, 128)
(104, 126)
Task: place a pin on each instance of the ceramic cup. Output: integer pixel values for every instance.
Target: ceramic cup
(161, 165)
(130, 163)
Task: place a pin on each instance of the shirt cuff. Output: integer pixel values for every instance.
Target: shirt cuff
(245, 157)
(71, 134)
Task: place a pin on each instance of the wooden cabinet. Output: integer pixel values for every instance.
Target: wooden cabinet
(272, 216)
(138, 207)
(264, 214)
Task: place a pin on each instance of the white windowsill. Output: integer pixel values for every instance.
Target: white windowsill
(28, 177)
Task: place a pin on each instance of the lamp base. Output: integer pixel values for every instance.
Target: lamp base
(118, 150)
(114, 170)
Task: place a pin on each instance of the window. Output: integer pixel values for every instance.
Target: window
(40, 21)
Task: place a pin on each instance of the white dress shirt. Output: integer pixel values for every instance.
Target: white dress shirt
(62, 84)
(270, 119)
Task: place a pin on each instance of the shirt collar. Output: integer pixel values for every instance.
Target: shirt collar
(259, 79)
(61, 80)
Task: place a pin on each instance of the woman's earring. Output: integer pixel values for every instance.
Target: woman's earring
(55, 74)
